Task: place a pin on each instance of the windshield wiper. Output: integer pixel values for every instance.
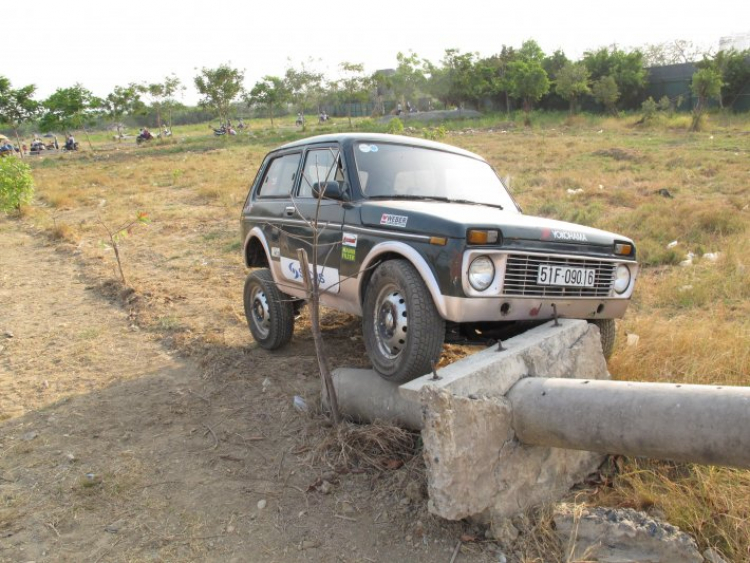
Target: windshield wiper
(408, 196)
(437, 198)
(483, 203)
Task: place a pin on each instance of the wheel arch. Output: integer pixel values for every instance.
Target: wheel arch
(399, 251)
(255, 250)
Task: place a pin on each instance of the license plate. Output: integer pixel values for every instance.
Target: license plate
(566, 276)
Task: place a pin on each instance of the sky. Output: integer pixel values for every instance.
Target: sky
(58, 43)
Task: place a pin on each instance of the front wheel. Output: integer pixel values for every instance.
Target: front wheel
(403, 332)
(269, 312)
(608, 332)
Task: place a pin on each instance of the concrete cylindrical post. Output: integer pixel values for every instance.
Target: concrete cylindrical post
(691, 423)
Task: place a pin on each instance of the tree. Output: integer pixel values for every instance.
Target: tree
(122, 101)
(458, 80)
(626, 69)
(70, 109)
(270, 92)
(571, 82)
(162, 97)
(355, 85)
(17, 106)
(734, 68)
(605, 92)
(528, 82)
(409, 77)
(670, 53)
(531, 51)
(499, 83)
(706, 85)
(16, 184)
(302, 85)
(382, 83)
(219, 87)
(555, 63)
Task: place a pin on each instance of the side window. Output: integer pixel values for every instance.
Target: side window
(320, 165)
(280, 177)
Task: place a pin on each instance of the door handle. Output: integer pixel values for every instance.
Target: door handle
(290, 210)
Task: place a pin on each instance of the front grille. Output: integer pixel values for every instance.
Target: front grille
(522, 271)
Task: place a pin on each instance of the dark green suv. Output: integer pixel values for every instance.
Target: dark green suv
(416, 236)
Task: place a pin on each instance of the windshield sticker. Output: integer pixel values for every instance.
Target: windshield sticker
(548, 234)
(393, 220)
(368, 148)
(349, 240)
(349, 254)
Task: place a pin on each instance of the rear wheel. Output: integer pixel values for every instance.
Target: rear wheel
(403, 332)
(269, 312)
(608, 332)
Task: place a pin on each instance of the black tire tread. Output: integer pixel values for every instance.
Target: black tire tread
(426, 326)
(280, 308)
(608, 334)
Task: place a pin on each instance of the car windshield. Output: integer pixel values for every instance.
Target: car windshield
(408, 172)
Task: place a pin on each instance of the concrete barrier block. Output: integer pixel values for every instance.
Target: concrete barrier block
(463, 440)
(572, 349)
(476, 466)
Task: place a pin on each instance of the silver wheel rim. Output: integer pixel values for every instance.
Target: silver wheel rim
(260, 314)
(391, 322)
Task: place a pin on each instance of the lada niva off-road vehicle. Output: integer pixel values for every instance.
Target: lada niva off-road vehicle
(414, 237)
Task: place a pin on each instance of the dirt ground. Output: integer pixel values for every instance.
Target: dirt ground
(118, 445)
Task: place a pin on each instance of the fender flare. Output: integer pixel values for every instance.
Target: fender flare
(416, 260)
(255, 232)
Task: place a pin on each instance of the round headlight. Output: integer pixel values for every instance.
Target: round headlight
(481, 273)
(622, 278)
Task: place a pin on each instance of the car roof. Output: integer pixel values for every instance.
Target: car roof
(346, 139)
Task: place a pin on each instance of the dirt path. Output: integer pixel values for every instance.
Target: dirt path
(113, 448)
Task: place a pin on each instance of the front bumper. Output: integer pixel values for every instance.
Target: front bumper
(472, 309)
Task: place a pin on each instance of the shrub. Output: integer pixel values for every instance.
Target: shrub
(434, 134)
(395, 126)
(16, 184)
(649, 108)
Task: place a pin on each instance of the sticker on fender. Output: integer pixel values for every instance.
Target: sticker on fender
(349, 254)
(393, 220)
(328, 278)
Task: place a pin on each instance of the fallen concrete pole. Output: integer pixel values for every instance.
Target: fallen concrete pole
(691, 423)
(508, 429)
(364, 396)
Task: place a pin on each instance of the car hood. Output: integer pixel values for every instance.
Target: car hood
(452, 220)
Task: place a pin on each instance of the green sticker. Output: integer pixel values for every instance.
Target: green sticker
(348, 253)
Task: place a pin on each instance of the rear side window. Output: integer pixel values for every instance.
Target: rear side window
(280, 176)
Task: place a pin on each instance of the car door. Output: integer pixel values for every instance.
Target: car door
(304, 215)
(272, 201)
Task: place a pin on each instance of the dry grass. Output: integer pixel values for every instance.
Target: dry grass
(692, 322)
(378, 446)
(710, 503)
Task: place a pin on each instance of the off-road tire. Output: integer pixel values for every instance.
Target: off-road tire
(402, 329)
(269, 312)
(608, 333)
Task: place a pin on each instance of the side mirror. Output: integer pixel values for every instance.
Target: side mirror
(331, 190)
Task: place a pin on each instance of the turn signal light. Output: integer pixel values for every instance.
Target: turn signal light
(482, 236)
(622, 249)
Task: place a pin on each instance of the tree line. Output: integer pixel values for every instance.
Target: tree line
(613, 78)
